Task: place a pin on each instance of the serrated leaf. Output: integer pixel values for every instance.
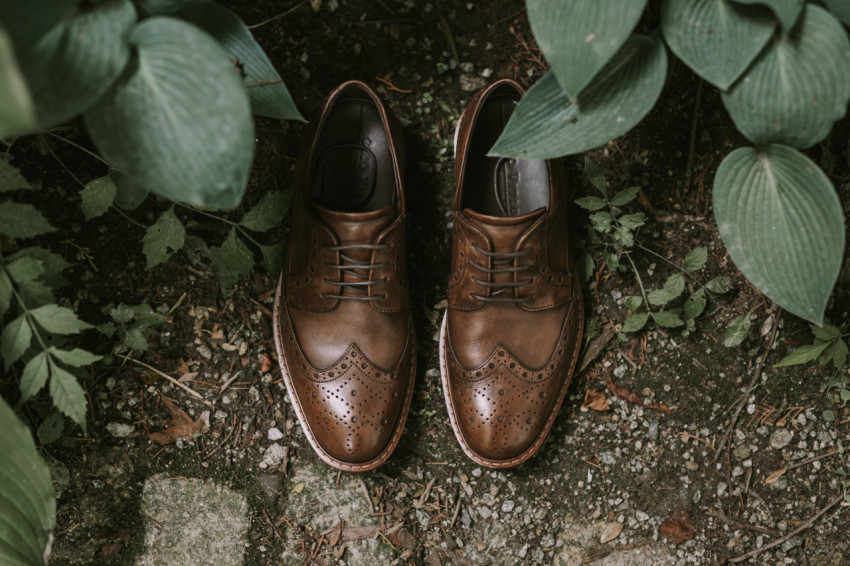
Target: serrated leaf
(802, 355)
(135, 339)
(596, 175)
(632, 221)
(625, 196)
(180, 123)
(827, 332)
(601, 221)
(60, 320)
(591, 203)
(839, 356)
(667, 319)
(675, 284)
(578, 38)
(798, 87)
(97, 196)
(24, 269)
(783, 225)
(122, 314)
(695, 259)
(623, 236)
(719, 285)
(50, 430)
(19, 220)
(108, 329)
(269, 96)
(5, 292)
(266, 213)
(660, 297)
(547, 123)
(633, 303)
(76, 357)
(737, 331)
(17, 114)
(232, 260)
(694, 305)
(34, 376)
(27, 493)
(52, 263)
(15, 340)
(786, 11)
(273, 258)
(10, 177)
(167, 233)
(717, 39)
(36, 293)
(840, 9)
(635, 322)
(67, 394)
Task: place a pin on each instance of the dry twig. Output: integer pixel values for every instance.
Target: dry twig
(164, 375)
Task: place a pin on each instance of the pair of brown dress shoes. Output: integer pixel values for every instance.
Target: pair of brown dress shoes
(343, 326)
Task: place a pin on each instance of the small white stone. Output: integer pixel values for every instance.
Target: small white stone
(275, 434)
(120, 430)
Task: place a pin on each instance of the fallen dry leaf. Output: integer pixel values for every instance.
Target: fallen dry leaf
(610, 531)
(180, 425)
(659, 407)
(267, 364)
(678, 527)
(596, 400)
(622, 392)
(775, 475)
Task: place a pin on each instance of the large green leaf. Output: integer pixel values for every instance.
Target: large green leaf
(717, 39)
(547, 124)
(16, 108)
(783, 226)
(69, 65)
(798, 87)
(179, 122)
(67, 394)
(841, 9)
(269, 96)
(578, 37)
(27, 499)
(786, 11)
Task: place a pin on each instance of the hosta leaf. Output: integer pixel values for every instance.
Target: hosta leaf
(578, 37)
(29, 503)
(798, 87)
(154, 7)
(232, 260)
(695, 259)
(19, 220)
(35, 376)
(179, 122)
(16, 107)
(625, 197)
(166, 233)
(591, 203)
(546, 123)
(717, 39)
(75, 357)
(635, 322)
(97, 196)
(15, 340)
(269, 96)
(266, 213)
(783, 226)
(839, 8)
(67, 394)
(273, 257)
(802, 355)
(786, 11)
(667, 319)
(60, 320)
(129, 193)
(71, 57)
(737, 331)
(10, 177)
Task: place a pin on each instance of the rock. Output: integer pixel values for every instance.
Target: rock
(120, 430)
(781, 438)
(470, 83)
(274, 455)
(275, 434)
(271, 484)
(741, 452)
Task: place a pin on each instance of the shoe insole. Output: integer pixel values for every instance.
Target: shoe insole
(500, 186)
(352, 163)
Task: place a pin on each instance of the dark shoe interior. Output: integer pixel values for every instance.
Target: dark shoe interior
(352, 168)
(501, 186)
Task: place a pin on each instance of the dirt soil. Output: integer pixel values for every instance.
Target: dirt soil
(631, 462)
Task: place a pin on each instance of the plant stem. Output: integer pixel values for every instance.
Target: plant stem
(81, 148)
(128, 218)
(62, 163)
(679, 267)
(640, 282)
(225, 220)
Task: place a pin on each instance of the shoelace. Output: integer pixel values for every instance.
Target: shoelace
(502, 262)
(358, 270)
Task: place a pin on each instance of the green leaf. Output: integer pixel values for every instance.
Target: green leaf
(844, 394)
(667, 319)
(578, 38)
(695, 259)
(97, 196)
(782, 224)
(633, 303)
(154, 7)
(591, 203)
(232, 260)
(50, 430)
(5, 292)
(635, 322)
(601, 221)
(129, 193)
(52, 264)
(269, 96)
(166, 233)
(827, 332)
(35, 376)
(75, 357)
(719, 285)
(839, 355)
(77, 58)
(673, 287)
(717, 39)
(67, 394)
(135, 339)
(694, 305)
(586, 266)
(15, 340)
(595, 174)
(632, 221)
(179, 122)
(10, 177)
(29, 502)
(840, 9)
(623, 236)
(273, 258)
(786, 11)
(798, 87)
(60, 320)
(17, 114)
(625, 197)
(266, 213)
(802, 355)
(737, 331)
(22, 220)
(547, 123)
(24, 269)
(828, 416)
(108, 329)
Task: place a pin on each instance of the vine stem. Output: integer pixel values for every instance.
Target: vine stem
(640, 282)
(225, 220)
(81, 148)
(679, 267)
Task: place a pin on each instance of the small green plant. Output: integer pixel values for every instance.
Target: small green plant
(132, 324)
(615, 232)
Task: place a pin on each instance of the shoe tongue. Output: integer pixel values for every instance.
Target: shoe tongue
(503, 231)
(356, 227)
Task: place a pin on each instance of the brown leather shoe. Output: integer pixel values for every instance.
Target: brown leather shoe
(512, 331)
(342, 322)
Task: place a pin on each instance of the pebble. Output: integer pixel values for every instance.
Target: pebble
(508, 506)
(741, 452)
(469, 83)
(780, 438)
(274, 455)
(275, 434)
(120, 430)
